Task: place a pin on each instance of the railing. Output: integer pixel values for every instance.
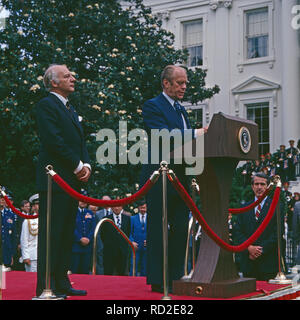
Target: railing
(98, 226)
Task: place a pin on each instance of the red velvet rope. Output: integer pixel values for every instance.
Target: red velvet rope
(252, 205)
(197, 215)
(18, 212)
(102, 203)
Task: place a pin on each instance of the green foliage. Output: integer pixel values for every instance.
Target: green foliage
(116, 55)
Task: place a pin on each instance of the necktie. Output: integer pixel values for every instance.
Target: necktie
(143, 222)
(257, 212)
(68, 105)
(177, 107)
(118, 222)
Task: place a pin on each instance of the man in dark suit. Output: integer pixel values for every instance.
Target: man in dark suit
(138, 236)
(165, 112)
(260, 259)
(115, 247)
(61, 145)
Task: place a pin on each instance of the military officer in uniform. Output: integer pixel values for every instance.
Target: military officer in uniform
(281, 162)
(8, 234)
(292, 160)
(29, 237)
(83, 239)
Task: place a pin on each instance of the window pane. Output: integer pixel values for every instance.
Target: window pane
(259, 113)
(192, 40)
(257, 33)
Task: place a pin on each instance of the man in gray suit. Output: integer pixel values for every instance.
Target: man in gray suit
(100, 214)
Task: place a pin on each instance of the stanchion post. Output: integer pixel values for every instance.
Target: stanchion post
(47, 293)
(280, 277)
(164, 170)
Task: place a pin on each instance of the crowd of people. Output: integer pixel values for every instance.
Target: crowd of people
(285, 162)
(113, 255)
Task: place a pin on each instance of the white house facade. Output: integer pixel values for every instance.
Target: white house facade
(251, 50)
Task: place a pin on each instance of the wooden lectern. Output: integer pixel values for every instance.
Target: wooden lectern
(227, 141)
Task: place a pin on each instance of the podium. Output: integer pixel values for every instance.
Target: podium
(227, 141)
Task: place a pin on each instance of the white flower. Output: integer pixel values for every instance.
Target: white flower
(40, 78)
(122, 73)
(107, 112)
(58, 49)
(133, 58)
(89, 7)
(115, 50)
(83, 80)
(96, 107)
(111, 86)
(101, 101)
(30, 65)
(128, 37)
(128, 79)
(129, 68)
(25, 82)
(139, 110)
(133, 45)
(136, 210)
(71, 14)
(20, 32)
(113, 55)
(35, 87)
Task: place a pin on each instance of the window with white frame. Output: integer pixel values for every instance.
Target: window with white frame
(259, 113)
(193, 42)
(257, 33)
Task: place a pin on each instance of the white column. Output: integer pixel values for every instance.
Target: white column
(290, 75)
(221, 60)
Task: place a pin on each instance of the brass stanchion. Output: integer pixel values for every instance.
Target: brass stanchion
(280, 277)
(47, 293)
(164, 169)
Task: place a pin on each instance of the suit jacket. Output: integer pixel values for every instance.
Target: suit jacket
(158, 113)
(62, 142)
(245, 226)
(138, 233)
(112, 239)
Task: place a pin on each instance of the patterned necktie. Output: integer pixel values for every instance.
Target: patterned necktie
(257, 212)
(177, 107)
(118, 222)
(68, 105)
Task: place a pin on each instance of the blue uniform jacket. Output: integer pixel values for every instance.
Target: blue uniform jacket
(85, 227)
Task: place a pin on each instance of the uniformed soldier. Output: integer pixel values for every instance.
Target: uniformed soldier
(8, 233)
(247, 172)
(83, 239)
(292, 153)
(288, 197)
(29, 237)
(281, 163)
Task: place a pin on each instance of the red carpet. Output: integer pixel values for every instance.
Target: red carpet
(21, 286)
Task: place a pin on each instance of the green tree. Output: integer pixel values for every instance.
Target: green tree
(116, 54)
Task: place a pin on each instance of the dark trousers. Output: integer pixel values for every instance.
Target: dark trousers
(63, 217)
(115, 261)
(177, 235)
(81, 262)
